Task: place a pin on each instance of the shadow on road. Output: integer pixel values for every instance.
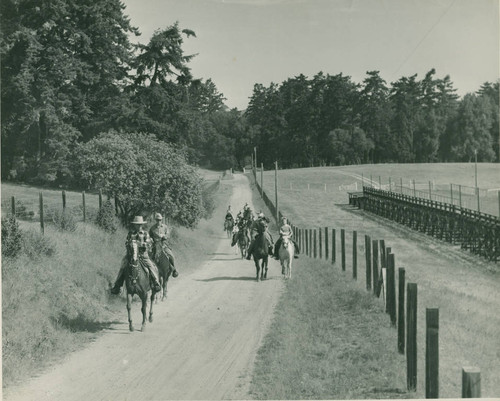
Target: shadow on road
(242, 278)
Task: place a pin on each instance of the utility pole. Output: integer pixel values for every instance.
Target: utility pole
(475, 166)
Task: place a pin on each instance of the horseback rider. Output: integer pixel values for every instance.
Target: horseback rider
(229, 217)
(159, 232)
(259, 226)
(285, 229)
(141, 237)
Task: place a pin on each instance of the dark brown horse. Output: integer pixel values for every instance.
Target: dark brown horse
(261, 252)
(137, 281)
(165, 270)
(241, 238)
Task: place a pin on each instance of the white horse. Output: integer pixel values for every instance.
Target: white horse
(286, 253)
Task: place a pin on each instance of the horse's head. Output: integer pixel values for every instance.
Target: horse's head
(285, 241)
(133, 250)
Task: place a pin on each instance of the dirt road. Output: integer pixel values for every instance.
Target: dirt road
(201, 345)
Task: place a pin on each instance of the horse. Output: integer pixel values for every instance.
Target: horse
(286, 253)
(137, 281)
(165, 270)
(228, 226)
(260, 252)
(241, 238)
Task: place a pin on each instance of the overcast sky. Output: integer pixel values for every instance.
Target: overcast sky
(243, 42)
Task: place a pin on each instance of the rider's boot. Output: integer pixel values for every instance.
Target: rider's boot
(175, 273)
(156, 284)
(116, 289)
(297, 251)
(249, 251)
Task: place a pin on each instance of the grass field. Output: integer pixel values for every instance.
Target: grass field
(463, 287)
(332, 183)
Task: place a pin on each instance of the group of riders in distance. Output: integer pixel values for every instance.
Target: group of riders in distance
(248, 230)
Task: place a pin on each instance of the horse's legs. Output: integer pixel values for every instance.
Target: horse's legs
(257, 267)
(164, 291)
(144, 310)
(153, 296)
(129, 308)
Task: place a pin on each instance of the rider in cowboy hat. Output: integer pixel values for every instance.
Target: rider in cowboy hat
(258, 226)
(285, 229)
(159, 232)
(140, 236)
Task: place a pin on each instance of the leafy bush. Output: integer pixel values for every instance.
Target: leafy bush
(63, 220)
(106, 219)
(144, 174)
(11, 237)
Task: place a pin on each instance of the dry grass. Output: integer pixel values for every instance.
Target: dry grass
(462, 286)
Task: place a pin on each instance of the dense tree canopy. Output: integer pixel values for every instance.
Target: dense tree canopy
(332, 120)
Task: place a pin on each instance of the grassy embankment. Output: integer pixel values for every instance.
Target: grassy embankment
(54, 302)
(329, 340)
(331, 336)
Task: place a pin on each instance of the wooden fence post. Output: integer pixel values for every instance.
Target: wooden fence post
(432, 353)
(498, 203)
(13, 206)
(261, 180)
(64, 199)
(460, 195)
(411, 337)
(375, 265)
(320, 239)
(477, 196)
(306, 242)
(382, 253)
(391, 289)
(326, 243)
(401, 310)
(84, 207)
(315, 244)
(276, 190)
(42, 226)
(334, 247)
(451, 193)
(355, 255)
(100, 199)
(368, 259)
(471, 382)
(310, 242)
(342, 247)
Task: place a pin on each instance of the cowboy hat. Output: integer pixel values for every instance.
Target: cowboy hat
(138, 220)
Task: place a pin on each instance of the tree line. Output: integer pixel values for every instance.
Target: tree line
(331, 120)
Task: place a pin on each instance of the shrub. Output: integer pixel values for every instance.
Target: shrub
(63, 220)
(11, 237)
(36, 245)
(208, 200)
(106, 219)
